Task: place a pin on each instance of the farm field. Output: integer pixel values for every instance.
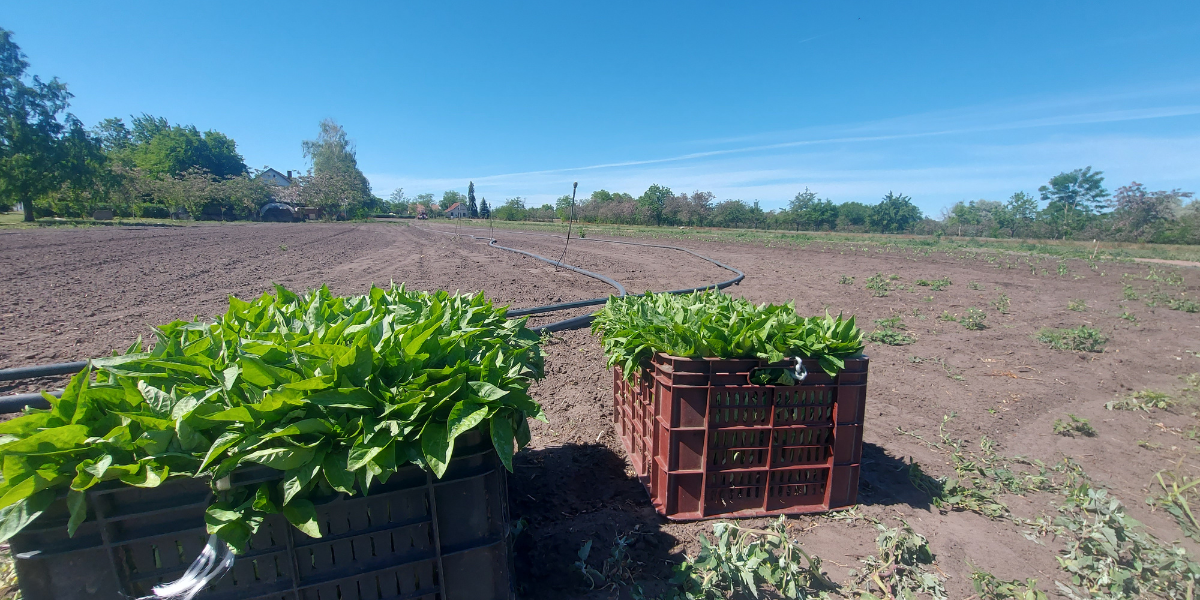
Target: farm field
(71, 294)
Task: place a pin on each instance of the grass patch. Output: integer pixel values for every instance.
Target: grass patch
(915, 245)
(1079, 339)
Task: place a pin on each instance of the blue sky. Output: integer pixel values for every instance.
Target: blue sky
(941, 101)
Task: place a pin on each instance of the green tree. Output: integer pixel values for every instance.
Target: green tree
(798, 208)
(512, 210)
(1073, 197)
(337, 185)
(1018, 213)
(852, 215)
(472, 208)
(34, 143)
(894, 214)
(450, 197)
(652, 201)
(484, 210)
(1140, 215)
(805, 211)
(562, 207)
(156, 147)
(398, 202)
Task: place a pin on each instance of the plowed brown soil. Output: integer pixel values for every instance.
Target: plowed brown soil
(75, 293)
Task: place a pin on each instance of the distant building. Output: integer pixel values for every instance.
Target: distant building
(275, 177)
(457, 211)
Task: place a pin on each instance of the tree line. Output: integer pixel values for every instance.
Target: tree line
(1072, 205)
(52, 165)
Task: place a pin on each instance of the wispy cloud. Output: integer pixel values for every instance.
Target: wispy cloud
(938, 157)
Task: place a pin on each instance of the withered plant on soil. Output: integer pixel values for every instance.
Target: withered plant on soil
(743, 560)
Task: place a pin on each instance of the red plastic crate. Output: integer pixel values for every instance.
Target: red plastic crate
(707, 443)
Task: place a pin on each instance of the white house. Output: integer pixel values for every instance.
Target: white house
(275, 177)
(457, 211)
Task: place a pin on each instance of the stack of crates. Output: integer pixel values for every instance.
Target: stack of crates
(706, 442)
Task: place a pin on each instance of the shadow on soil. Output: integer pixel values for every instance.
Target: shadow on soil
(883, 481)
(570, 494)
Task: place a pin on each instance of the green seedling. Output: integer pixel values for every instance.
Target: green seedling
(1077, 305)
(974, 319)
(974, 285)
(846, 280)
(1074, 426)
(1080, 339)
(1001, 304)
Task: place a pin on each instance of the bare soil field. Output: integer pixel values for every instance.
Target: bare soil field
(71, 294)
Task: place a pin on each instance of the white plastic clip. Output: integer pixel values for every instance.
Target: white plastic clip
(799, 372)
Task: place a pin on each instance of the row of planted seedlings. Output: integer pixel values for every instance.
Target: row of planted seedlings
(299, 446)
(727, 408)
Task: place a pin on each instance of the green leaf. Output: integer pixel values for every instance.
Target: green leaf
(219, 446)
(303, 515)
(14, 517)
(435, 447)
(77, 504)
(339, 477)
(281, 458)
(502, 437)
(463, 417)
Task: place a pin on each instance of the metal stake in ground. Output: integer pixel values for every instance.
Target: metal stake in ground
(570, 221)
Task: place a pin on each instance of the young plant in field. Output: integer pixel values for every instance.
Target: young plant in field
(889, 332)
(846, 280)
(334, 392)
(1128, 316)
(974, 285)
(712, 324)
(936, 285)
(744, 560)
(1062, 269)
(1079, 339)
(878, 285)
(974, 319)
(1074, 426)
(946, 316)
(1128, 292)
(1001, 304)
(1077, 305)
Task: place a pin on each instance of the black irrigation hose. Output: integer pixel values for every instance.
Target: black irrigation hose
(17, 402)
(585, 320)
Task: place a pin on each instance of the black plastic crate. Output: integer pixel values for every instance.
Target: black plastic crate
(415, 537)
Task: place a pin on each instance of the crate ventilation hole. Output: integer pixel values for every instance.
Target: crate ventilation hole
(214, 561)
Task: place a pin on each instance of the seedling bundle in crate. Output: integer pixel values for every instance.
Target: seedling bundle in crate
(732, 409)
(340, 446)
